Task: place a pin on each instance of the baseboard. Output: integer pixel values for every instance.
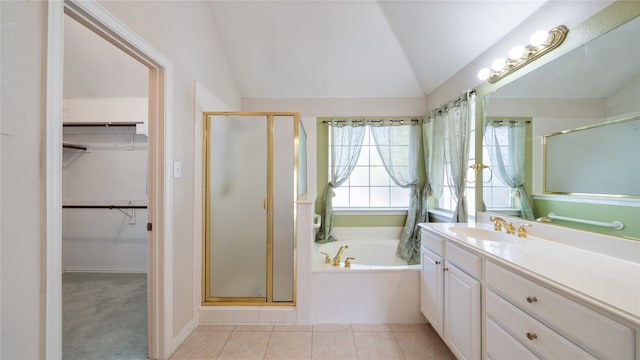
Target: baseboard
(70, 269)
(183, 335)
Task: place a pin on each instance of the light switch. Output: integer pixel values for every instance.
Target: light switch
(177, 169)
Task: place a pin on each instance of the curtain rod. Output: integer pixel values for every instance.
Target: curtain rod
(455, 102)
(401, 121)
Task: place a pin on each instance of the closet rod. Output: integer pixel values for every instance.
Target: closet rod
(104, 206)
(107, 124)
(74, 146)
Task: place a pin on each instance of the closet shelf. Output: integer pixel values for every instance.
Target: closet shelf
(102, 124)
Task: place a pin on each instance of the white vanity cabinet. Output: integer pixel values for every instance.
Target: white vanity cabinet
(450, 294)
(547, 323)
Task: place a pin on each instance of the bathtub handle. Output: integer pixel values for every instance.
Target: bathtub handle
(327, 257)
(347, 262)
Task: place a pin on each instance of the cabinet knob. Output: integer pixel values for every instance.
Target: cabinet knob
(531, 336)
(437, 262)
(446, 269)
(531, 299)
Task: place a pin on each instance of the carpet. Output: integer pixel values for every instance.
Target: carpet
(104, 316)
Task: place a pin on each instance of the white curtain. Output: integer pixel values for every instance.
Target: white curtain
(345, 143)
(398, 147)
(457, 123)
(506, 140)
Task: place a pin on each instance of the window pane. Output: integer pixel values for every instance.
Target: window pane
(400, 196)
(359, 197)
(375, 157)
(380, 197)
(360, 176)
(379, 176)
(363, 160)
(341, 198)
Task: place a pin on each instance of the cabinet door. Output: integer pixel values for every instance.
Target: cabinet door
(431, 289)
(462, 313)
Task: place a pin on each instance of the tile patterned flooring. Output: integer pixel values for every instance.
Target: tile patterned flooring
(317, 342)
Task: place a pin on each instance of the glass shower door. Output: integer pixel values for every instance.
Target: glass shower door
(237, 202)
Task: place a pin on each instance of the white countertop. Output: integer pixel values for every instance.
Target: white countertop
(606, 281)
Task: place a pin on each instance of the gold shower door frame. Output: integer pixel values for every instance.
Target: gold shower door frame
(207, 299)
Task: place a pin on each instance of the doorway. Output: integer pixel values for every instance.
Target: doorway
(104, 194)
(160, 215)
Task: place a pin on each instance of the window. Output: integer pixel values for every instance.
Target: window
(369, 186)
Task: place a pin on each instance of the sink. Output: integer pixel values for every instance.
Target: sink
(481, 234)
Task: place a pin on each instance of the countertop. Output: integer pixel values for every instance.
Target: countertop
(606, 281)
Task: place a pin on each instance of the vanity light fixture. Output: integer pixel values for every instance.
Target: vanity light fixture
(540, 43)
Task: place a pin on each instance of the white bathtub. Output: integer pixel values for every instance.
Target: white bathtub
(379, 287)
(368, 254)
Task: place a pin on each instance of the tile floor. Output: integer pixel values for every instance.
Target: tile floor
(292, 342)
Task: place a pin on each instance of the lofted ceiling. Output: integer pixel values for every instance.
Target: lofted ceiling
(320, 48)
(302, 49)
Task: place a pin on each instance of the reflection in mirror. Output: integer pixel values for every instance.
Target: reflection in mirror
(584, 160)
(596, 83)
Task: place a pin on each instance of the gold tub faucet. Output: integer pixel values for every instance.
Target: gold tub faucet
(336, 259)
(499, 222)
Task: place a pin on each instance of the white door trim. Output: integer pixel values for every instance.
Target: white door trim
(160, 240)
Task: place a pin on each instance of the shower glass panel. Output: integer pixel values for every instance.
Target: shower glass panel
(238, 224)
(284, 195)
(251, 184)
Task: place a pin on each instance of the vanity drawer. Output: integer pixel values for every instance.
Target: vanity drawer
(534, 335)
(464, 260)
(431, 241)
(501, 345)
(601, 336)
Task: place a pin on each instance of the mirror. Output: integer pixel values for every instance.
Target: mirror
(581, 161)
(594, 84)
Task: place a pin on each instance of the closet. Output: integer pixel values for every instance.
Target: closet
(251, 183)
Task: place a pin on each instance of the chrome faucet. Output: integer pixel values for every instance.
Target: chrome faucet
(336, 259)
(499, 222)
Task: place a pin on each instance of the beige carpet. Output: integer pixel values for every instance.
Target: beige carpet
(104, 316)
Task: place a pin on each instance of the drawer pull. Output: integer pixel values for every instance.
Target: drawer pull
(532, 299)
(531, 336)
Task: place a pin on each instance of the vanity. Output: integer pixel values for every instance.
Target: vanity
(554, 293)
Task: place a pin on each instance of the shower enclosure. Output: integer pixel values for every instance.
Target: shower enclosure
(251, 183)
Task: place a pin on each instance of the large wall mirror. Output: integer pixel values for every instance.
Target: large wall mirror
(588, 95)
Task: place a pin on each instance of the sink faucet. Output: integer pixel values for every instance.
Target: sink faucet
(522, 231)
(336, 259)
(499, 222)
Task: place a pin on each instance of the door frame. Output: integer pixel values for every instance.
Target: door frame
(160, 142)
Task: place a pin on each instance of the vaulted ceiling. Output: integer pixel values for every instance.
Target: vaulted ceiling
(324, 48)
(298, 49)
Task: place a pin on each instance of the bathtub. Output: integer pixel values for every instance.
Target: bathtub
(378, 288)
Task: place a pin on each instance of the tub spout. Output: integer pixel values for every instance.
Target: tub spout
(336, 259)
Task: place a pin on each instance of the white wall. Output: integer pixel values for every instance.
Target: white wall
(21, 185)
(182, 31)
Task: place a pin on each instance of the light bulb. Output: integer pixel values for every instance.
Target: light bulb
(516, 52)
(498, 64)
(483, 74)
(539, 37)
